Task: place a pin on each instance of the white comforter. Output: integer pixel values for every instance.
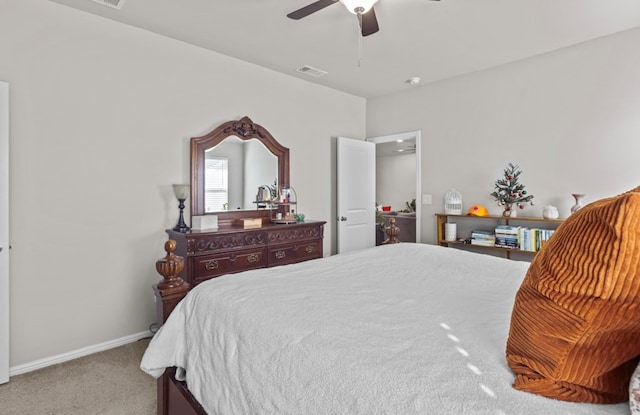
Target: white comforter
(396, 329)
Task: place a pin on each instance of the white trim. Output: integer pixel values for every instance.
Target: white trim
(4, 232)
(85, 351)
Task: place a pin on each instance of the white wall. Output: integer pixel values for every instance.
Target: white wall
(101, 117)
(568, 118)
(396, 180)
(260, 168)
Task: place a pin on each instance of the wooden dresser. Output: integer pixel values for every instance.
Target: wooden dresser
(230, 249)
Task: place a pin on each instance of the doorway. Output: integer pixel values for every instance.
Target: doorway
(403, 175)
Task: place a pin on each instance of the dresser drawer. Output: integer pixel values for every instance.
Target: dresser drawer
(290, 253)
(210, 266)
(231, 249)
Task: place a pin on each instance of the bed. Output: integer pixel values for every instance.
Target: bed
(396, 329)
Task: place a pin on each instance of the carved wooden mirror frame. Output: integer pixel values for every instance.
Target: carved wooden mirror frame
(245, 129)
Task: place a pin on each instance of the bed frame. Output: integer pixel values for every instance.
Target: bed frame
(173, 396)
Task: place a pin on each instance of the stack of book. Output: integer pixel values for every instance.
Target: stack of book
(507, 236)
(534, 239)
(483, 238)
(512, 237)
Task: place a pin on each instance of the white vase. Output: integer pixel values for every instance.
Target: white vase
(578, 197)
(550, 212)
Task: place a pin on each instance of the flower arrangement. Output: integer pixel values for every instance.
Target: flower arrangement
(509, 192)
(410, 207)
(380, 222)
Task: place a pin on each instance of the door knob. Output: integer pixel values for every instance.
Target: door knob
(343, 218)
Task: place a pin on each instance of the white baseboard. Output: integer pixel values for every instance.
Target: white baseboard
(74, 354)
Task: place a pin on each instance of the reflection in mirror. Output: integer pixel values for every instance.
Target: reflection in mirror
(249, 181)
(235, 171)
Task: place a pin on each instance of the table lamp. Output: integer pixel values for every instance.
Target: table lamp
(182, 192)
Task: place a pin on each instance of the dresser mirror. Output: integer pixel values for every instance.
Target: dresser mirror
(234, 170)
(230, 164)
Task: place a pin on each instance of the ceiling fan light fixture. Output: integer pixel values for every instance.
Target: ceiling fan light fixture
(358, 6)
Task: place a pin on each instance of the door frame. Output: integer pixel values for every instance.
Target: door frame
(4, 232)
(406, 136)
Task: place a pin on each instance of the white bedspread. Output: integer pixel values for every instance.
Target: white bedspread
(397, 329)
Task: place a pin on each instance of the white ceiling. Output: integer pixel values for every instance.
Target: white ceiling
(432, 40)
(395, 148)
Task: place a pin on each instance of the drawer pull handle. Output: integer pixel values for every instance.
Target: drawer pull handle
(280, 254)
(253, 258)
(309, 249)
(211, 265)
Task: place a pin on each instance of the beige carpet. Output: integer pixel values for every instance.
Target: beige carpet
(106, 383)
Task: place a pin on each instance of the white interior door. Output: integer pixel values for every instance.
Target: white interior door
(356, 188)
(4, 232)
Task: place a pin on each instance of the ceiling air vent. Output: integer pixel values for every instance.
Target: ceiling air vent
(311, 71)
(114, 4)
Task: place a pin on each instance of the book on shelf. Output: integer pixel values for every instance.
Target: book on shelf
(483, 237)
(533, 240)
(512, 237)
(507, 236)
(507, 228)
(482, 242)
(480, 233)
(507, 243)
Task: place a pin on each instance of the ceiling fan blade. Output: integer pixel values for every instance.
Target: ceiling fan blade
(311, 8)
(369, 23)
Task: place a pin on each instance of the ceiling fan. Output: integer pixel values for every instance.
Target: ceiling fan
(361, 8)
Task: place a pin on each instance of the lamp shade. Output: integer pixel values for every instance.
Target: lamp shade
(181, 191)
(352, 5)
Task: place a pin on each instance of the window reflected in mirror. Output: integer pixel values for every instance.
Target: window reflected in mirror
(235, 170)
(216, 184)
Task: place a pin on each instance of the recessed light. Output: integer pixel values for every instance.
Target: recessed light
(413, 81)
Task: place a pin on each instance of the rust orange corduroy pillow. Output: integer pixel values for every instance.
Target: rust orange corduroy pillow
(575, 325)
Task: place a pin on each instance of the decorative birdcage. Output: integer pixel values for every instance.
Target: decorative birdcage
(453, 202)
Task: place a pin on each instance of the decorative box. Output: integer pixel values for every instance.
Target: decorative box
(200, 223)
(249, 223)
